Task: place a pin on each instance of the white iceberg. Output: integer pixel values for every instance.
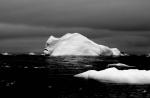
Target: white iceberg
(148, 55)
(5, 53)
(113, 75)
(31, 53)
(78, 45)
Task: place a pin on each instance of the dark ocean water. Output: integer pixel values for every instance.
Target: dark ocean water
(55, 76)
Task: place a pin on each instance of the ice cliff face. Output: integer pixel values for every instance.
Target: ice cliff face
(78, 45)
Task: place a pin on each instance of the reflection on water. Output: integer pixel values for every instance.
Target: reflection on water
(78, 61)
(97, 63)
(69, 87)
(76, 64)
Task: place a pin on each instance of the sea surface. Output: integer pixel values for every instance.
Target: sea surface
(55, 75)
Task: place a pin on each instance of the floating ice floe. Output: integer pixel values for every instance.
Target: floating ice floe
(148, 55)
(31, 53)
(120, 65)
(113, 75)
(42, 54)
(77, 44)
(124, 54)
(5, 53)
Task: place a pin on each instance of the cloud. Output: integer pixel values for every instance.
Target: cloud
(23, 45)
(117, 23)
(131, 42)
(22, 30)
(128, 41)
(130, 15)
(113, 75)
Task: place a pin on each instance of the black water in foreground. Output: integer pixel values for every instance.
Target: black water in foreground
(53, 76)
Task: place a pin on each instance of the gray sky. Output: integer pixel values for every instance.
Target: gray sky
(25, 25)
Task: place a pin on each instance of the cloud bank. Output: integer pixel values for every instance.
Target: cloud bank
(96, 14)
(124, 24)
(16, 35)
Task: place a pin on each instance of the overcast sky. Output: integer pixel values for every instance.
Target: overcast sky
(25, 25)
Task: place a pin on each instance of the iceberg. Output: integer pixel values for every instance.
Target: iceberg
(31, 53)
(76, 44)
(120, 65)
(113, 75)
(5, 53)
